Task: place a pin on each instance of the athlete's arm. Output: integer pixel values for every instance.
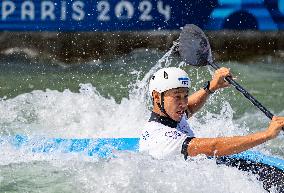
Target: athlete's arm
(197, 99)
(230, 145)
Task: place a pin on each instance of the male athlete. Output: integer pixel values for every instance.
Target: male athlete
(168, 133)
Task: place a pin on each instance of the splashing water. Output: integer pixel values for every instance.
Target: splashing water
(87, 113)
(83, 114)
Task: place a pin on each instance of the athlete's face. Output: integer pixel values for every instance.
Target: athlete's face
(175, 102)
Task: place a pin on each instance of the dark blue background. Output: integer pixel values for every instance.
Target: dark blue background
(207, 14)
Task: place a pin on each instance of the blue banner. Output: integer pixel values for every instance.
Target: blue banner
(126, 15)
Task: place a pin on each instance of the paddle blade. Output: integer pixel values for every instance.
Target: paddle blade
(194, 46)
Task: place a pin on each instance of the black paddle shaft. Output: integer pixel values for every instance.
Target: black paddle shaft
(245, 93)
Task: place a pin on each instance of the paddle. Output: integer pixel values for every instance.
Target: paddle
(195, 50)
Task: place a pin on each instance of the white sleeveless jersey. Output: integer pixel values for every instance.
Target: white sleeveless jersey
(163, 137)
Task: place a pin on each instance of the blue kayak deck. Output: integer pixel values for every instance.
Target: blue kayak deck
(103, 147)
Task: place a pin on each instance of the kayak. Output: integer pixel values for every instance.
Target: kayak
(101, 147)
(269, 170)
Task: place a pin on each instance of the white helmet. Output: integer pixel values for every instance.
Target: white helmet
(168, 78)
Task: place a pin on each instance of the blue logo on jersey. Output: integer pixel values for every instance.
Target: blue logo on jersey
(145, 135)
(172, 134)
(184, 80)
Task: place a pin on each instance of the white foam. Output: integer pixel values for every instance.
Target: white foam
(67, 114)
(129, 172)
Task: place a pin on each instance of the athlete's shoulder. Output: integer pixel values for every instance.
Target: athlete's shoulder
(153, 128)
(153, 125)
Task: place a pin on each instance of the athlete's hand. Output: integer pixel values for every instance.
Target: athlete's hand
(218, 80)
(275, 126)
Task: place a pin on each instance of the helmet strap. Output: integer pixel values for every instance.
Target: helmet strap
(161, 106)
